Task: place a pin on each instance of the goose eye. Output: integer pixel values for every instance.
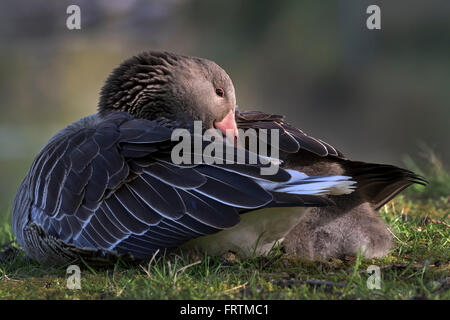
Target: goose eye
(220, 92)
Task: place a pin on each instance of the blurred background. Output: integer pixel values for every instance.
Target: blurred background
(377, 95)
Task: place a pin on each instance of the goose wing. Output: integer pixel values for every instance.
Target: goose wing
(112, 185)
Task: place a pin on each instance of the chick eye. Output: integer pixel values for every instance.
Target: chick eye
(220, 92)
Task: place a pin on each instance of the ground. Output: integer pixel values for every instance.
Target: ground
(417, 268)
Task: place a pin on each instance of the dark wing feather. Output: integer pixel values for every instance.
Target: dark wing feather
(135, 205)
(207, 212)
(291, 139)
(232, 189)
(379, 183)
(159, 196)
(185, 178)
(304, 200)
(124, 216)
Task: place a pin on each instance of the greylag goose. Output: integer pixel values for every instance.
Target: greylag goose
(106, 186)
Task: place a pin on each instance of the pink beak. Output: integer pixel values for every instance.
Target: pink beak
(228, 126)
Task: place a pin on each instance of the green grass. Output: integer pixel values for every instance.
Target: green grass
(418, 266)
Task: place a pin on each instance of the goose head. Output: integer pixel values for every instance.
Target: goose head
(162, 85)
